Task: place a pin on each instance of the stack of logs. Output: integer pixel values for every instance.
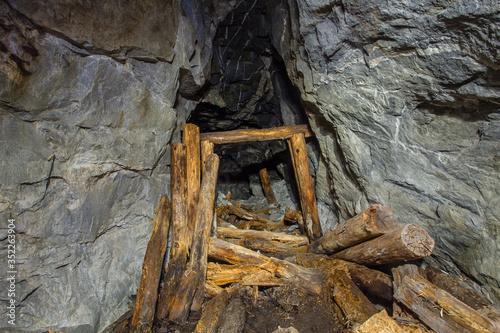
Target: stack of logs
(249, 250)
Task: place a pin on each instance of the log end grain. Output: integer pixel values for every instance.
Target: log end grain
(381, 218)
(417, 240)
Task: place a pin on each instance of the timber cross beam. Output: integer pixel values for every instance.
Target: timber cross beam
(295, 135)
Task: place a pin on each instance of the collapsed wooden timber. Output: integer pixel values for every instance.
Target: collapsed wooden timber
(200, 266)
(372, 222)
(409, 242)
(439, 310)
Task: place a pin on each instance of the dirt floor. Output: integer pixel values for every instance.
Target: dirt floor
(273, 308)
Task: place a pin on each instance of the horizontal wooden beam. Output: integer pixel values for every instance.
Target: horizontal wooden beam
(256, 135)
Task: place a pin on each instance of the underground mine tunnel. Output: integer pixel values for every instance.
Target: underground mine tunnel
(402, 127)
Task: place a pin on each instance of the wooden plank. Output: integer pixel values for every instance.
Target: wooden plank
(372, 222)
(191, 288)
(409, 242)
(147, 293)
(256, 135)
(266, 186)
(191, 139)
(180, 235)
(306, 188)
(439, 310)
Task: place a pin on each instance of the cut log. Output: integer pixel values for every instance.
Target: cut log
(369, 281)
(356, 308)
(306, 188)
(308, 280)
(193, 281)
(439, 310)
(180, 235)
(191, 139)
(266, 186)
(207, 148)
(457, 286)
(256, 135)
(147, 293)
(213, 310)
(409, 242)
(372, 222)
(379, 323)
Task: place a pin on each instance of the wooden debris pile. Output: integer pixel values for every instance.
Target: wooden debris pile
(218, 255)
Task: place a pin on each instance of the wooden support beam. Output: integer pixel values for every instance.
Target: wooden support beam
(266, 186)
(190, 291)
(306, 188)
(256, 135)
(191, 139)
(207, 148)
(147, 293)
(180, 234)
(372, 222)
(409, 242)
(439, 310)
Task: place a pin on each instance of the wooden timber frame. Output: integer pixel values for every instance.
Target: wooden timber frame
(295, 136)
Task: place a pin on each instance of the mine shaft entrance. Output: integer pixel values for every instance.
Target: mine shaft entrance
(295, 138)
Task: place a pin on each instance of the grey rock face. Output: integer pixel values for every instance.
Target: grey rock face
(403, 98)
(84, 140)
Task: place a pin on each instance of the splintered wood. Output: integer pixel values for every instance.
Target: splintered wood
(207, 278)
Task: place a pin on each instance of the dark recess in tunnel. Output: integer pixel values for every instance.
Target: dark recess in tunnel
(249, 88)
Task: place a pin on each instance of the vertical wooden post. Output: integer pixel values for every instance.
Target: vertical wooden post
(180, 235)
(189, 290)
(207, 148)
(191, 139)
(305, 185)
(266, 185)
(147, 293)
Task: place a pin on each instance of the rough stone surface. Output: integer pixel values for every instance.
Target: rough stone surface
(404, 99)
(87, 96)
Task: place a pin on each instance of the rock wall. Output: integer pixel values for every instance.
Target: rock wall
(404, 99)
(89, 102)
